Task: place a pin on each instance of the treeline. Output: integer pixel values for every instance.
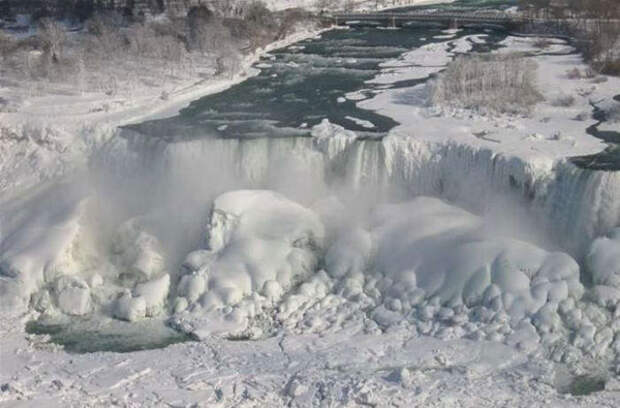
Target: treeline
(606, 9)
(78, 10)
(594, 23)
(111, 41)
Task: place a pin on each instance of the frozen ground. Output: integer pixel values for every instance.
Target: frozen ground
(320, 294)
(344, 369)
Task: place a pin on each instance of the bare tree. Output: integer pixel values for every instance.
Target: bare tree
(198, 21)
(324, 5)
(106, 40)
(349, 6)
(228, 62)
(6, 44)
(52, 36)
(505, 83)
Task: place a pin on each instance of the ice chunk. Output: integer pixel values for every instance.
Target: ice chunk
(73, 295)
(154, 293)
(192, 286)
(361, 122)
(130, 308)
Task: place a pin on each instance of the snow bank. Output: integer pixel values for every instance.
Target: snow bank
(35, 153)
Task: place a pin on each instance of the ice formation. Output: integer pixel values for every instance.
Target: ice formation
(267, 254)
(258, 242)
(37, 247)
(573, 205)
(396, 259)
(442, 250)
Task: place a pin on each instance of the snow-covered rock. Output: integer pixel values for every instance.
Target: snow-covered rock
(154, 293)
(130, 308)
(259, 242)
(73, 295)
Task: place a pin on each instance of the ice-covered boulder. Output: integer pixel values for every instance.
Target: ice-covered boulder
(259, 242)
(129, 308)
(72, 295)
(155, 293)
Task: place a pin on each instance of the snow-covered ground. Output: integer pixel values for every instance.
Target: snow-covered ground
(317, 292)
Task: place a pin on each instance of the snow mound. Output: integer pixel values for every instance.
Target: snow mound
(259, 242)
(73, 296)
(130, 308)
(427, 244)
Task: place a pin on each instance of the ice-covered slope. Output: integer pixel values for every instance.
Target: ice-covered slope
(37, 237)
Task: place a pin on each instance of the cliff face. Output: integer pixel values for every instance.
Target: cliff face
(136, 8)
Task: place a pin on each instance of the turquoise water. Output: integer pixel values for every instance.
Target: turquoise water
(93, 335)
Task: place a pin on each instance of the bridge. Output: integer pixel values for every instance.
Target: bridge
(450, 19)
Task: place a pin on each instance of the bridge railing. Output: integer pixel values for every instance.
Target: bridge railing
(465, 17)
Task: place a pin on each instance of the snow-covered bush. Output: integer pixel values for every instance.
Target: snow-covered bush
(504, 83)
(563, 101)
(53, 37)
